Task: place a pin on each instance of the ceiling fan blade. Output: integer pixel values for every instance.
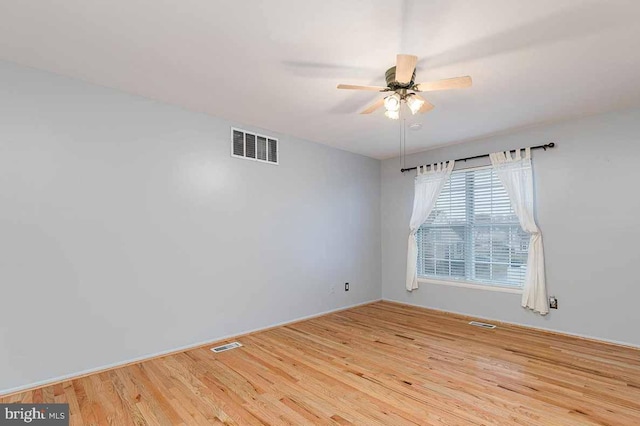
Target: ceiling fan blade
(426, 106)
(405, 66)
(354, 87)
(374, 106)
(446, 84)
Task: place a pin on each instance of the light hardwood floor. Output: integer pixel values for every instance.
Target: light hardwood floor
(379, 364)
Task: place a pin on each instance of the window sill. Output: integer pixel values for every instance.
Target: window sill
(466, 284)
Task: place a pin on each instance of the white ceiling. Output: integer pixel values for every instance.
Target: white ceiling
(275, 64)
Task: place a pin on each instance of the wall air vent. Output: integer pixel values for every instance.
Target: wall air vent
(481, 324)
(226, 347)
(252, 146)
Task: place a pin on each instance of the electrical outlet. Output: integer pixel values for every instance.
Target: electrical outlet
(346, 286)
(553, 302)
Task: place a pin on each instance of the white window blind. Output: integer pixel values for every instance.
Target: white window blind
(473, 234)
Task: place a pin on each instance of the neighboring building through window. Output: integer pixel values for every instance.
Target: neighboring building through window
(473, 234)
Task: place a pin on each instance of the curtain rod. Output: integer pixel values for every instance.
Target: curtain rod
(545, 146)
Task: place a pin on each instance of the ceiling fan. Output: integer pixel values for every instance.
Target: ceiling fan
(401, 82)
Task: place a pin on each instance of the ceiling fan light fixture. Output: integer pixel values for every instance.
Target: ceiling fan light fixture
(401, 87)
(394, 115)
(414, 103)
(392, 103)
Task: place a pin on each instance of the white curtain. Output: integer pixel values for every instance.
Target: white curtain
(428, 184)
(517, 178)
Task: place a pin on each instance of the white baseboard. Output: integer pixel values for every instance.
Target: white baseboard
(6, 392)
(550, 330)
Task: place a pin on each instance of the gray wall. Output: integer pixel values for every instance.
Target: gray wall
(126, 229)
(587, 208)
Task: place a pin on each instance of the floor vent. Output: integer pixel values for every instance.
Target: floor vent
(226, 347)
(482, 324)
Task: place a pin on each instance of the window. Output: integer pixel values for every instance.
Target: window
(473, 234)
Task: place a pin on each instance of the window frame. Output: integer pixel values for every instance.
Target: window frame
(498, 287)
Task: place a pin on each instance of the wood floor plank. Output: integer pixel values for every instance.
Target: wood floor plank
(378, 364)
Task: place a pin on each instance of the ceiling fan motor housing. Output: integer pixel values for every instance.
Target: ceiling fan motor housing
(390, 76)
